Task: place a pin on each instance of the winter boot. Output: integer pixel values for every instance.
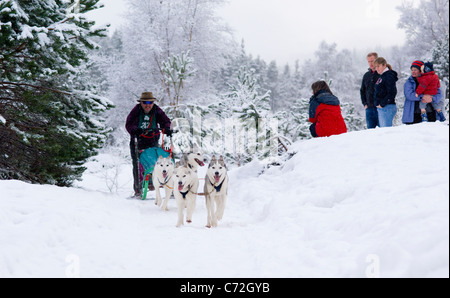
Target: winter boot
(441, 116)
(424, 117)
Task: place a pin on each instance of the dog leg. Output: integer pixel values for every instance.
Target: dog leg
(190, 209)
(158, 197)
(181, 206)
(166, 200)
(208, 211)
(212, 211)
(220, 200)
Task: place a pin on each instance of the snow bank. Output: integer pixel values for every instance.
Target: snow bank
(362, 204)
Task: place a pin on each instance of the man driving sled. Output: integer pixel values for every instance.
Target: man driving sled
(143, 124)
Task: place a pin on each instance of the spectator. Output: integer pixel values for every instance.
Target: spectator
(367, 92)
(411, 111)
(385, 92)
(325, 112)
(429, 85)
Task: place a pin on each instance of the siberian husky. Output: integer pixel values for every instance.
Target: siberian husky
(163, 178)
(185, 184)
(193, 160)
(216, 189)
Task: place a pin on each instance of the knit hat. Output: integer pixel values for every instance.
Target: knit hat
(147, 96)
(427, 67)
(417, 64)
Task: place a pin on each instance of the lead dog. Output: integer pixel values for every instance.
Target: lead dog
(185, 186)
(216, 189)
(163, 177)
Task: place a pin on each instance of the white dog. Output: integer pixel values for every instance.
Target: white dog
(185, 186)
(216, 189)
(163, 178)
(193, 160)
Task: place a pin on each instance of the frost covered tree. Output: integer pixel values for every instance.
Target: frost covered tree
(51, 116)
(248, 109)
(156, 30)
(427, 31)
(177, 69)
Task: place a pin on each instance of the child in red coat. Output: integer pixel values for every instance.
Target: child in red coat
(325, 112)
(429, 85)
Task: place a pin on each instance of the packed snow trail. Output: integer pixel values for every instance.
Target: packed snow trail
(355, 205)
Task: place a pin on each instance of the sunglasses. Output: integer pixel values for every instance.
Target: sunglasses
(148, 102)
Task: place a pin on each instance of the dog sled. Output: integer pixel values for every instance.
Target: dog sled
(148, 158)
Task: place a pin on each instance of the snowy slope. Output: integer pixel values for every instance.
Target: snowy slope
(357, 205)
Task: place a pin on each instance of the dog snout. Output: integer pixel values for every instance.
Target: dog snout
(217, 173)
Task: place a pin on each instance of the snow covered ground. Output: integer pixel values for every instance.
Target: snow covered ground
(364, 204)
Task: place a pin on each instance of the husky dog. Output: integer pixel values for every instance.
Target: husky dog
(193, 160)
(185, 186)
(163, 177)
(216, 189)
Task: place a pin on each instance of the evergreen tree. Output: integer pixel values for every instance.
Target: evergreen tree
(51, 116)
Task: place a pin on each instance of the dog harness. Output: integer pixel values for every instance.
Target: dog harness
(218, 187)
(165, 183)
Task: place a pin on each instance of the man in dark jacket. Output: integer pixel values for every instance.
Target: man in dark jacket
(367, 91)
(142, 124)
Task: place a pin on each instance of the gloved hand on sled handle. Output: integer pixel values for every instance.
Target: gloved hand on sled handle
(169, 132)
(137, 132)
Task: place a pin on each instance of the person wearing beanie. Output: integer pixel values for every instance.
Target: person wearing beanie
(411, 111)
(428, 84)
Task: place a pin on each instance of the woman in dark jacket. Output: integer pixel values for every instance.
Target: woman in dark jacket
(385, 92)
(325, 112)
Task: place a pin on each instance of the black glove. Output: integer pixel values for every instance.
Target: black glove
(168, 132)
(137, 132)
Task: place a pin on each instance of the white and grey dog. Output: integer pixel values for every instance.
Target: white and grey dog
(185, 186)
(163, 178)
(193, 160)
(216, 189)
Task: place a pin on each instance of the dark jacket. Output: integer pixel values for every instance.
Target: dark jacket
(325, 114)
(368, 88)
(386, 89)
(132, 126)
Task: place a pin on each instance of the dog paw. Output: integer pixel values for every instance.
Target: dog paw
(208, 226)
(189, 221)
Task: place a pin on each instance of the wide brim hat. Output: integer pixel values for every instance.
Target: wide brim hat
(147, 96)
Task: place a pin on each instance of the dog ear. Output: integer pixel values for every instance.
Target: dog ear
(177, 164)
(222, 162)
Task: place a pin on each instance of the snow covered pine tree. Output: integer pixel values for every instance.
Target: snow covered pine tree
(49, 116)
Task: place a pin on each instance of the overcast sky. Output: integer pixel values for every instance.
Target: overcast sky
(287, 30)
